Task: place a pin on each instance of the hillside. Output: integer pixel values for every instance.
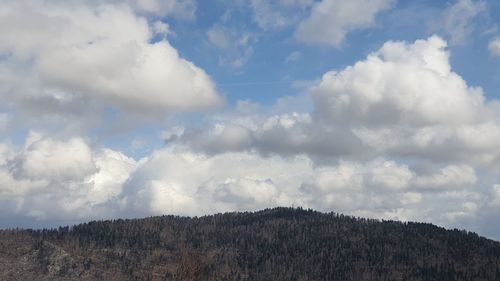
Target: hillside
(274, 244)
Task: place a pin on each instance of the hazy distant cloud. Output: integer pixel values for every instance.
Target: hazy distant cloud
(217, 35)
(494, 47)
(4, 121)
(457, 20)
(183, 9)
(331, 20)
(495, 198)
(278, 14)
(178, 9)
(235, 45)
(265, 15)
(293, 57)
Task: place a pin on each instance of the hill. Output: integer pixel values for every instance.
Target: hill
(273, 244)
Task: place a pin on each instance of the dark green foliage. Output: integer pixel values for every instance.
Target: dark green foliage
(274, 244)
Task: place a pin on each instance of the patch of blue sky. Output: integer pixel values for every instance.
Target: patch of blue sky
(266, 76)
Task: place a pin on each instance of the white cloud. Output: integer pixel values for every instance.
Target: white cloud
(181, 182)
(37, 161)
(177, 181)
(331, 20)
(210, 184)
(451, 176)
(387, 89)
(102, 53)
(396, 135)
(53, 179)
(494, 47)
(114, 168)
(385, 104)
(457, 20)
(391, 176)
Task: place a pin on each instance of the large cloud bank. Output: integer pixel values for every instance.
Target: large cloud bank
(396, 135)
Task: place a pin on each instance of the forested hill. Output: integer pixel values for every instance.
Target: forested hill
(274, 244)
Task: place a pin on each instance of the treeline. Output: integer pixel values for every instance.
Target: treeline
(273, 244)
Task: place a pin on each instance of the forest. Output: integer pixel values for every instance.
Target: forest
(272, 244)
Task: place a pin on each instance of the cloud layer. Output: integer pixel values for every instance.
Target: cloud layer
(387, 137)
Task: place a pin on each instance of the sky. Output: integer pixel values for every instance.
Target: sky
(385, 109)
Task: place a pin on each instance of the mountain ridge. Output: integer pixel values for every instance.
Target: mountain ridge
(272, 244)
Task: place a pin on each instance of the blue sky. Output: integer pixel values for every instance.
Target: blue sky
(377, 108)
(407, 21)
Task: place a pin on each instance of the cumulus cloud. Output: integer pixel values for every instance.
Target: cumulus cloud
(92, 182)
(457, 20)
(51, 179)
(331, 20)
(194, 183)
(36, 162)
(71, 51)
(282, 134)
(387, 89)
(177, 181)
(405, 99)
(451, 176)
